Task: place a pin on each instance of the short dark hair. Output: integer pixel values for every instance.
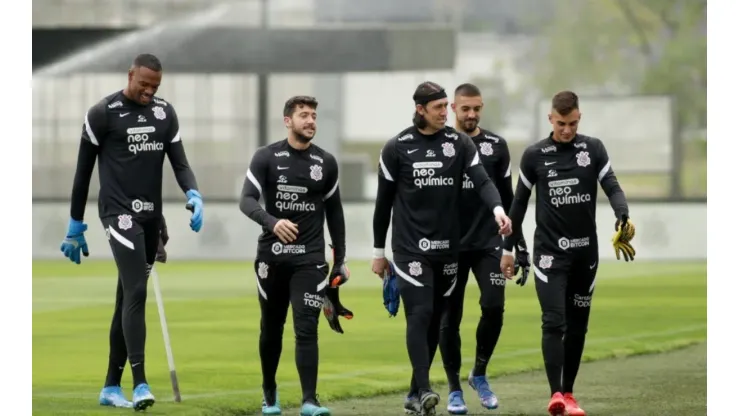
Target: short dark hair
(424, 89)
(467, 90)
(296, 101)
(565, 102)
(148, 60)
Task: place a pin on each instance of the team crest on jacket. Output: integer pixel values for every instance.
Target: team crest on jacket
(262, 270)
(159, 113)
(448, 149)
(415, 268)
(486, 149)
(545, 262)
(124, 222)
(316, 173)
(582, 159)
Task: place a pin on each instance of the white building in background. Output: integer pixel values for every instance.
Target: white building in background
(379, 103)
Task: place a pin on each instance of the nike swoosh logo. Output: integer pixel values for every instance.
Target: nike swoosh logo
(592, 266)
(320, 266)
(497, 248)
(549, 163)
(283, 167)
(123, 114)
(411, 151)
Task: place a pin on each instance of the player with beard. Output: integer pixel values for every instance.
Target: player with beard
(299, 182)
(480, 251)
(420, 173)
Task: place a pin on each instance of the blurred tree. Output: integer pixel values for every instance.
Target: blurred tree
(648, 47)
(495, 101)
(498, 100)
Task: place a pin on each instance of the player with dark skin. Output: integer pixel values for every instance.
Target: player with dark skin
(143, 83)
(129, 133)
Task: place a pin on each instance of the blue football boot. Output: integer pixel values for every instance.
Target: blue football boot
(270, 403)
(313, 408)
(113, 396)
(487, 397)
(143, 397)
(456, 404)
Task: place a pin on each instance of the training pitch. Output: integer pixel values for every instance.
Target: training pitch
(213, 319)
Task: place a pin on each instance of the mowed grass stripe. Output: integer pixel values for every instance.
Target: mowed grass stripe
(215, 342)
(54, 288)
(647, 384)
(639, 385)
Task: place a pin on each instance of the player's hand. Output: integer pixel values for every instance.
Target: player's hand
(625, 229)
(164, 237)
(339, 272)
(521, 262)
(625, 232)
(504, 224)
(163, 234)
(74, 242)
(286, 231)
(507, 265)
(195, 204)
(380, 266)
(333, 309)
(161, 253)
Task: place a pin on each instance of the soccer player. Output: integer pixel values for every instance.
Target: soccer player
(480, 251)
(420, 177)
(299, 182)
(129, 132)
(566, 168)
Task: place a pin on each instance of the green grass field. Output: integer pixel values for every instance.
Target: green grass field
(213, 317)
(649, 385)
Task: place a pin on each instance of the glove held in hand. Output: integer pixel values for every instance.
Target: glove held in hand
(333, 309)
(521, 261)
(391, 294)
(622, 239)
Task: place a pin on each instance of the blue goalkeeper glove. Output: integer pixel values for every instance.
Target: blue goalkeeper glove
(195, 204)
(75, 242)
(391, 294)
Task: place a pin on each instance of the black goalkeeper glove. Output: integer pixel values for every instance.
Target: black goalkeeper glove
(339, 274)
(521, 261)
(333, 309)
